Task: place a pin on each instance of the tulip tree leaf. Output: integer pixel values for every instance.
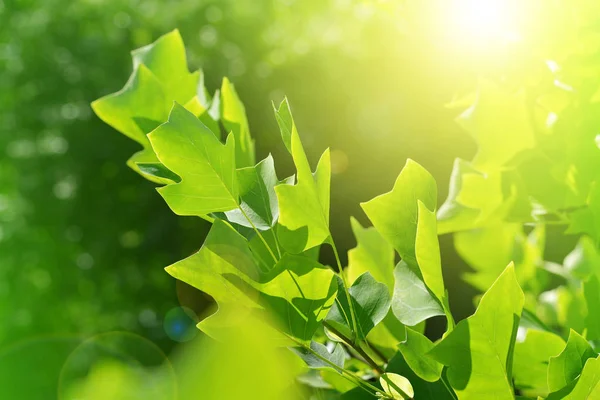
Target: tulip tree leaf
(336, 357)
(423, 390)
(427, 251)
(412, 301)
(159, 172)
(395, 213)
(478, 352)
(530, 367)
(587, 386)
(206, 166)
(160, 76)
(233, 118)
(564, 368)
(257, 191)
(303, 207)
(224, 254)
(298, 292)
(397, 386)
(167, 60)
(371, 301)
(372, 254)
(500, 124)
(476, 199)
(414, 350)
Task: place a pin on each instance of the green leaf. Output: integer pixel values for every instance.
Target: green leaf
(160, 76)
(427, 251)
(478, 352)
(396, 386)
(298, 293)
(303, 207)
(371, 302)
(206, 166)
(257, 191)
(499, 121)
(488, 251)
(223, 255)
(395, 213)
(414, 350)
(412, 301)
(336, 357)
(158, 171)
(167, 60)
(475, 199)
(587, 386)
(564, 368)
(233, 117)
(423, 390)
(372, 254)
(387, 334)
(530, 367)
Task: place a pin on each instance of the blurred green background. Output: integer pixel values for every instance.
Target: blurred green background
(84, 240)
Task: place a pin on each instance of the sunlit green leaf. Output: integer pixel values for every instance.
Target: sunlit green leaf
(412, 301)
(564, 368)
(478, 352)
(395, 213)
(423, 390)
(372, 254)
(259, 206)
(500, 123)
(427, 250)
(530, 367)
(587, 386)
(396, 386)
(233, 117)
(303, 207)
(206, 166)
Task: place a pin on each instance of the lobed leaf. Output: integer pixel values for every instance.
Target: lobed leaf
(303, 207)
(335, 359)
(478, 352)
(414, 350)
(395, 213)
(206, 166)
(233, 117)
(530, 367)
(412, 301)
(372, 254)
(564, 368)
(371, 301)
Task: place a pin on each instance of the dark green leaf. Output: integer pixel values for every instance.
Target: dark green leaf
(371, 302)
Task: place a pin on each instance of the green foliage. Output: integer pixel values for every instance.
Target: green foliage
(259, 262)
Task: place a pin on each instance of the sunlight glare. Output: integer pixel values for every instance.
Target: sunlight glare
(485, 21)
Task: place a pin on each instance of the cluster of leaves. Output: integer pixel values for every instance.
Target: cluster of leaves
(531, 188)
(364, 323)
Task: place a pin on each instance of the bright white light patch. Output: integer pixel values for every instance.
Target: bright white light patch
(485, 21)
